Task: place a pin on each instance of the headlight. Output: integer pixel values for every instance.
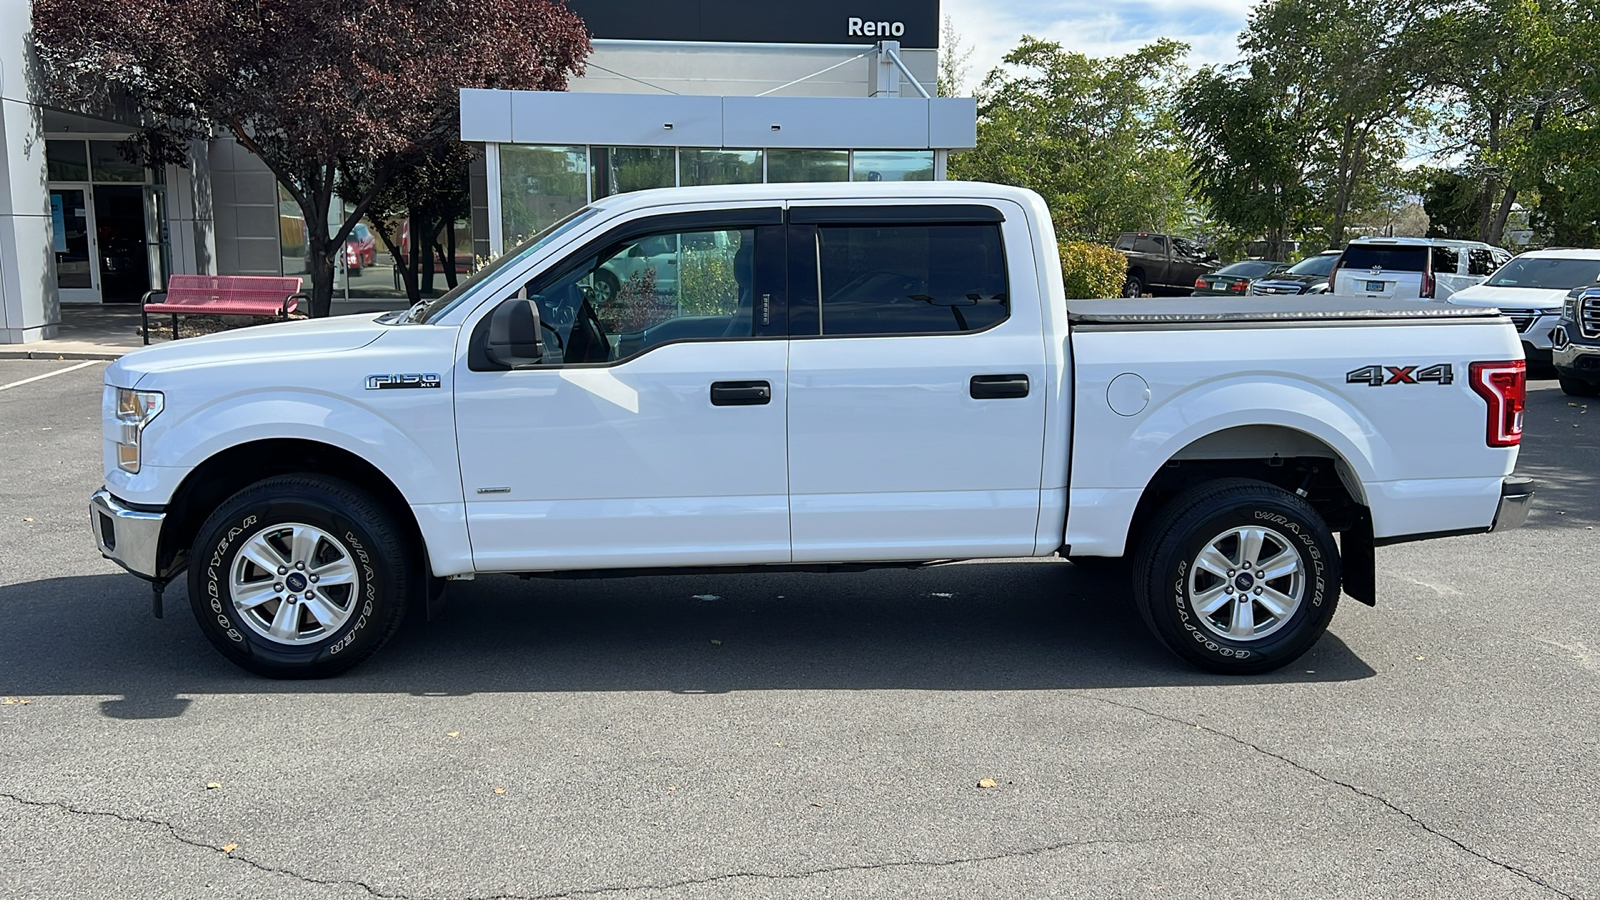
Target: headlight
(1569, 306)
(134, 411)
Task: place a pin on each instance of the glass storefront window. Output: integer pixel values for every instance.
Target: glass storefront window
(618, 170)
(807, 165)
(108, 165)
(291, 234)
(538, 186)
(893, 165)
(697, 167)
(66, 160)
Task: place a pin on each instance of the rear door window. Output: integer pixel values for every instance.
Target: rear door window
(1150, 243)
(911, 279)
(1387, 258)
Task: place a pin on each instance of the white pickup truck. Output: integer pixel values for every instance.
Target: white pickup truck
(836, 376)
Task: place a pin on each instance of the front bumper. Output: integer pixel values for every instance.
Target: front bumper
(1572, 358)
(127, 537)
(1516, 498)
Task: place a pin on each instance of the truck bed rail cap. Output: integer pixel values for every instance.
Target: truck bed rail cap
(1180, 310)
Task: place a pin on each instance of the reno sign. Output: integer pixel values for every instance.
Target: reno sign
(914, 23)
(860, 28)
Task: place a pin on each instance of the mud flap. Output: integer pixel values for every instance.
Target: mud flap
(435, 596)
(1358, 562)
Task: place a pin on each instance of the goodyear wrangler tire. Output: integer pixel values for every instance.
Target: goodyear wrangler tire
(299, 576)
(1237, 576)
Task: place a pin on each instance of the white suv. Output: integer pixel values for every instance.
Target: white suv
(1412, 268)
(1530, 290)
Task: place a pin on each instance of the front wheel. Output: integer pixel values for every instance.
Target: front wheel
(299, 576)
(1238, 576)
(1133, 286)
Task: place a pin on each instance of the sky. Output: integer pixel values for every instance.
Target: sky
(1104, 28)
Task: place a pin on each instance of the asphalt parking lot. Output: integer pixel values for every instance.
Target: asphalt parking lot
(802, 735)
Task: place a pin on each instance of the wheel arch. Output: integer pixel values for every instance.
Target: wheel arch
(231, 470)
(1287, 458)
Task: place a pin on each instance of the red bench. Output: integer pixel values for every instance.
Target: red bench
(224, 295)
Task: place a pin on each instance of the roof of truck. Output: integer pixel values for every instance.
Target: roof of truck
(850, 191)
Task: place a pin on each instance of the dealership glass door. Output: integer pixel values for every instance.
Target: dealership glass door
(74, 243)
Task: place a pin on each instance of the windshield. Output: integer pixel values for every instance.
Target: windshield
(1547, 273)
(430, 310)
(1320, 264)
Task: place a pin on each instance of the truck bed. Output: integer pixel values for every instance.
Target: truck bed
(1160, 312)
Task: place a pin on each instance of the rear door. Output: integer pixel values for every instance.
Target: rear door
(916, 382)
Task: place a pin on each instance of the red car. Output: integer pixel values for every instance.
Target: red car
(360, 249)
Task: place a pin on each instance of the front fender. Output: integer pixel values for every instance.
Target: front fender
(419, 457)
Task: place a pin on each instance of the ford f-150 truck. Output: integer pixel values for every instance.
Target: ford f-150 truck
(839, 376)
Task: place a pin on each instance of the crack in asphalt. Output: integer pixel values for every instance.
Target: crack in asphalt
(172, 831)
(176, 835)
(1519, 872)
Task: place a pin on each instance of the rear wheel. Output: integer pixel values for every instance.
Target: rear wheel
(1578, 387)
(1237, 576)
(299, 577)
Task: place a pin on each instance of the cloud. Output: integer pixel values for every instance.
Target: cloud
(1210, 27)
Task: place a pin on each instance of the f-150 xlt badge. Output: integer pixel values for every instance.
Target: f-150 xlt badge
(1378, 376)
(390, 382)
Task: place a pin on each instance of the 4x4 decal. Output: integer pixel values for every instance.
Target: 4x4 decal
(1378, 376)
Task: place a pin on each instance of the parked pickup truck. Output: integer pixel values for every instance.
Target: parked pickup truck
(1163, 261)
(842, 376)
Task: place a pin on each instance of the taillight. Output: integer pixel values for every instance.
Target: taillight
(1200, 284)
(1504, 386)
(1239, 286)
(1427, 279)
(1332, 272)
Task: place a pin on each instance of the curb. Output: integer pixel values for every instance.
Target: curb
(62, 354)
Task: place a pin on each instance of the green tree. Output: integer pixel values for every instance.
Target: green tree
(1512, 90)
(1249, 158)
(1351, 77)
(1095, 137)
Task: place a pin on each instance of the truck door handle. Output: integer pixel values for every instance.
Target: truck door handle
(999, 387)
(740, 393)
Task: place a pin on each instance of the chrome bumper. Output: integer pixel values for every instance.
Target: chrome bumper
(127, 537)
(1566, 354)
(1516, 498)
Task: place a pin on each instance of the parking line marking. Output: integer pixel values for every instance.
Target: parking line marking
(82, 365)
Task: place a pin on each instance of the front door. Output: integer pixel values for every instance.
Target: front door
(652, 432)
(916, 384)
(122, 229)
(74, 244)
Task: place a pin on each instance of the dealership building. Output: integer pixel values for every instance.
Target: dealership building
(677, 92)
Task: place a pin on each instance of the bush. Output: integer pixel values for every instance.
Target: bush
(1092, 270)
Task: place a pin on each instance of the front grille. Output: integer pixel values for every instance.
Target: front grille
(1274, 287)
(1589, 314)
(1522, 318)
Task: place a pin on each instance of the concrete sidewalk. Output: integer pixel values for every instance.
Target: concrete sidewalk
(109, 330)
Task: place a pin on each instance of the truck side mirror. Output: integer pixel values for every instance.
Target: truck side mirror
(514, 334)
